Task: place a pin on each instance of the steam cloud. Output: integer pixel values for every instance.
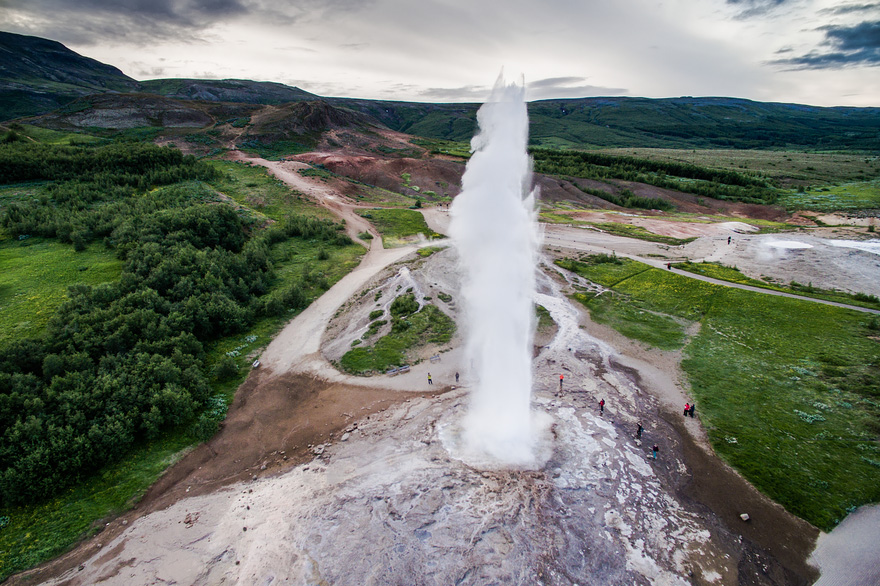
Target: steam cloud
(494, 229)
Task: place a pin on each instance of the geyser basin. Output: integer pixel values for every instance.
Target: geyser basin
(495, 233)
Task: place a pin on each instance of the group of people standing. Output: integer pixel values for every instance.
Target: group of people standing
(689, 409)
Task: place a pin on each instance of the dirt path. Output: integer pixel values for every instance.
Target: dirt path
(324, 195)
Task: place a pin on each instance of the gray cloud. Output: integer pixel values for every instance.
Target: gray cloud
(89, 22)
(555, 82)
(568, 87)
(475, 93)
(852, 9)
(849, 45)
(541, 89)
(750, 8)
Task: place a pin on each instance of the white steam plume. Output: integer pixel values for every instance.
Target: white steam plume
(494, 229)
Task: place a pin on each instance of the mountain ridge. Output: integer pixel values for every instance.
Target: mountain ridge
(38, 76)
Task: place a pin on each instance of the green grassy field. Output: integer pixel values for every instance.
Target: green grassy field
(789, 167)
(732, 274)
(788, 390)
(398, 227)
(254, 187)
(633, 320)
(47, 136)
(35, 277)
(860, 195)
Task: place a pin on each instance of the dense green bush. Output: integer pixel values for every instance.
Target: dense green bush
(123, 362)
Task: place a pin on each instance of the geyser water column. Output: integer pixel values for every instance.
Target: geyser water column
(494, 230)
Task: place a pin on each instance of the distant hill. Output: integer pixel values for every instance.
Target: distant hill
(38, 75)
(643, 122)
(227, 90)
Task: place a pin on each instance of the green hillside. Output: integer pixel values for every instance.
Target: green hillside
(695, 123)
(38, 75)
(227, 90)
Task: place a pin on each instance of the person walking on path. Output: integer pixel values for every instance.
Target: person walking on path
(655, 449)
(691, 410)
(430, 382)
(728, 240)
(639, 430)
(560, 381)
(602, 406)
(687, 408)
(456, 378)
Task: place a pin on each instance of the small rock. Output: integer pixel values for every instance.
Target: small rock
(81, 567)
(263, 467)
(745, 517)
(100, 545)
(124, 522)
(345, 436)
(244, 528)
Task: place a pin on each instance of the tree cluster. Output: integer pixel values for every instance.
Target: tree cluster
(716, 183)
(122, 362)
(93, 189)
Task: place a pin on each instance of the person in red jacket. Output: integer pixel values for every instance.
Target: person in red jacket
(602, 406)
(687, 408)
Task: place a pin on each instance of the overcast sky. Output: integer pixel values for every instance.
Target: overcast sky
(820, 52)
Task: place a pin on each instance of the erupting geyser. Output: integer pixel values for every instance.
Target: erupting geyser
(494, 229)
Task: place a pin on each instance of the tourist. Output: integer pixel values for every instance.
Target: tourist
(602, 406)
(687, 407)
(560, 381)
(655, 449)
(728, 240)
(639, 431)
(430, 382)
(456, 378)
(691, 410)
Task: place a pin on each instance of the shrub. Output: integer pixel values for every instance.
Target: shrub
(226, 368)
(404, 305)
